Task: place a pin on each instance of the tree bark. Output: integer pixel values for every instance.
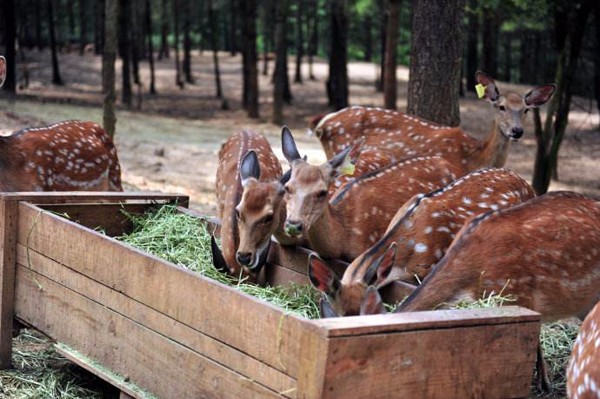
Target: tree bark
(313, 41)
(280, 61)
(56, 78)
(109, 54)
(337, 84)
(10, 39)
(299, 42)
(213, 42)
(390, 83)
(435, 62)
(187, 43)
(150, 46)
(82, 26)
(491, 28)
(164, 31)
(178, 79)
(124, 51)
(472, 44)
(248, 8)
(382, 44)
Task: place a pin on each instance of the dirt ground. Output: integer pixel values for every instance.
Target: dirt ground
(169, 142)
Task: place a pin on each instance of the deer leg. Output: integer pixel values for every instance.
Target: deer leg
(542, 380)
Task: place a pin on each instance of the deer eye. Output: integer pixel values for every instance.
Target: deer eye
(502, 108)
(288, 190)
(237, 213)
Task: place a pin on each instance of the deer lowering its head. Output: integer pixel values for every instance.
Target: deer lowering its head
(403, 135)
(66, 156)
(583, 373)
(250, 203)
(358, 213)
(418, 237)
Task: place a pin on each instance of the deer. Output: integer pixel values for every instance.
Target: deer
(66, 156)
(583, 372)
(249, 190)
(402, 136)
(2, 70)
(544, 254)
(346, 223)
(418, 236)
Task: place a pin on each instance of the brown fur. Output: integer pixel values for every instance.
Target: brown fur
(583, 373)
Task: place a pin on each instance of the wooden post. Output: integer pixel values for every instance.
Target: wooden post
(8, 248)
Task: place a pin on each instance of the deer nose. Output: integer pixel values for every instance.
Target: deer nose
(293, 227)
(517, 132)
(243, 258)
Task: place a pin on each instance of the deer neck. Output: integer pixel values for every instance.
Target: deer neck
(494, 150)
(326, 235)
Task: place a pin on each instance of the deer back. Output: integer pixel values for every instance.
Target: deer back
(249, 199)
(66, 156)
(544, 253)
(583, 372)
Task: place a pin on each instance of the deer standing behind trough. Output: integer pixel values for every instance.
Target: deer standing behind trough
(358, 213)
(418, 236)
(250, 203)
(65, 156)
(583, 372)
(402, 136)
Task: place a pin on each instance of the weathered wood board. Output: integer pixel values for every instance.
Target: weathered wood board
(179, 335)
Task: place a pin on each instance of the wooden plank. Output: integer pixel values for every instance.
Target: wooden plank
(163, 325)
(313, 366)
(150, 360)
(118, 381)
(471, 362)
(411, 321)
(261, 330)
(8, 242)
(49, 197)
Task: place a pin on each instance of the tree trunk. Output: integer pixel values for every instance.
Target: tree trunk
(187, 42)
(267, 33)
(337, 84)
(10, 39)
(472, 43)
(299, 42)
(491, 27)
(368, 38)
(390, 83)
(99, 26)
(124, 50)
(109, 54)
(148, 17)
(248, 8)
(178, 79)
(232, 31)
(435, 62)
(382, 44)
(313, 29)
(71, 20)
(549, 137)
(56, 78)
(135, 39)
(82, 26)
(213, 42)
(38, 27)
(506, 76)
(164, 31)
(280, 61)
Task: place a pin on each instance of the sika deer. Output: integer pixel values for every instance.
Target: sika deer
(250, 203)
(402, 136)
(66, 156)
(583, 373)
(354, 218)
(418, 236)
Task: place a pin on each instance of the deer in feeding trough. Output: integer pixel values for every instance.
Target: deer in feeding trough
(65, 156)
(353, 219)
(250, 203)
(403, 135)
(418, 236)
(583, 372)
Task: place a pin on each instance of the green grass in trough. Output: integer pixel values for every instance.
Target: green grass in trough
(185, 241)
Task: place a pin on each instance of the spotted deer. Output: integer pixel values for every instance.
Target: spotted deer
(2, 70)
(250, 203)
(65, 156)
(401, 136)
(583, 372)
(418, 236)
(347, 223)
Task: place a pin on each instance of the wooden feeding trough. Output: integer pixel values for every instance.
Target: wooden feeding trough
(153, 329)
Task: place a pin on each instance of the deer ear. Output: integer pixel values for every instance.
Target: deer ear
(249, 167)
(288, 145)
(490, 91)
(372, 303)
(326, 309)
(217, 257)
(386, 265)
(343, 162)
(2, 70)
(322, 277)
(285, 177)
(539, 96)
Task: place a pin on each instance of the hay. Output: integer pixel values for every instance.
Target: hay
(185, 241)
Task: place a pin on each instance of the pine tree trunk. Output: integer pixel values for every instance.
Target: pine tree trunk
(491, 28)
(178, 78)
(312, 27)
(472, 44)
(266, 33)
(337, 84)
(10, 39)
(248, 8)
(232, 31)
(436, 60)
(56, 78)
(135, 39)
(368, 38)
(280, 61)
(164, 30)
(187, 43)
(299, 42)
(390, 83)
(148, 17)
(82, 26)
(213, 42)
(382, 44)
(109, 55)
(124, 51)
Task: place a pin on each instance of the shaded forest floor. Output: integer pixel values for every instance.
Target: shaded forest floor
(169, 141)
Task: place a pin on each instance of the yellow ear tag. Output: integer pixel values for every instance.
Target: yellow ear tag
(480, 89)
(347, 167)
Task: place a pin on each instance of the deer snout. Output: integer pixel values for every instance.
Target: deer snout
(293, 227)
(516, 132)
(243, 258)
